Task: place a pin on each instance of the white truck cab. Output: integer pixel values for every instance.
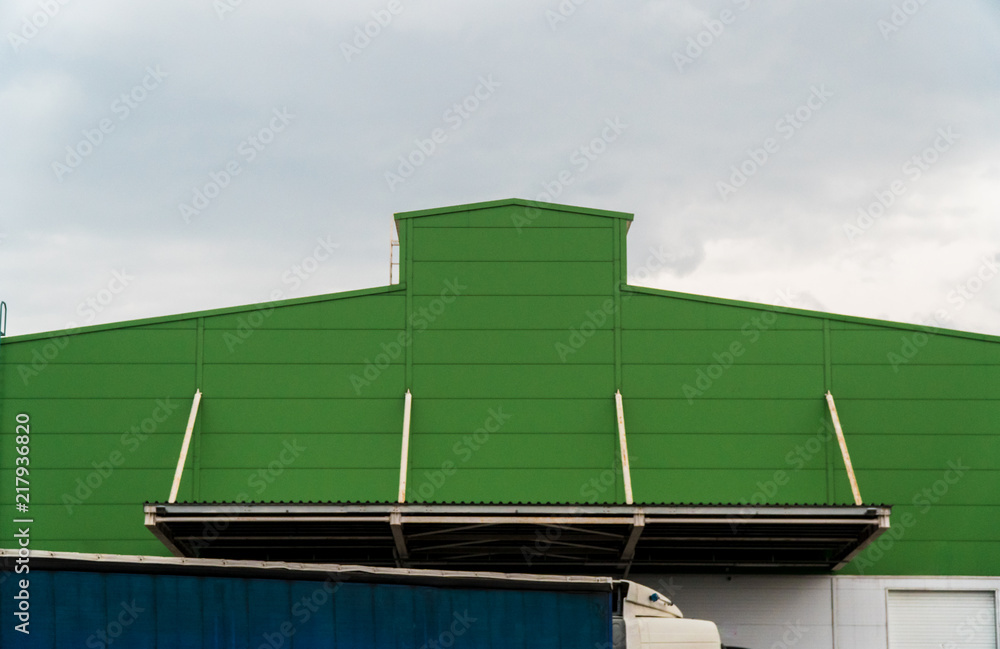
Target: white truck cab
(649, 620)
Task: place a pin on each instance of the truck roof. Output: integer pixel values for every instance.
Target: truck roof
(145, 564)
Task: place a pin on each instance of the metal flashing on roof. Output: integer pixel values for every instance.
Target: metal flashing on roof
(144, 564)
(193, 315)
(582, 539)
(519, 202)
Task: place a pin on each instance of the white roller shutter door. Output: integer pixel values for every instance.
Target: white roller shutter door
(942, 619)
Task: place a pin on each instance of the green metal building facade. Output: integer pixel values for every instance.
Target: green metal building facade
(513, 326)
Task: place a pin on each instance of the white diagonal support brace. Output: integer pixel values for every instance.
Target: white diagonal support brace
(405, 451)
(175, 487)
(623, 445)
(396, 525)
(635, 531)
(843, 448)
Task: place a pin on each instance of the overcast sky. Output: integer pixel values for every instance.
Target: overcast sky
(841, 156)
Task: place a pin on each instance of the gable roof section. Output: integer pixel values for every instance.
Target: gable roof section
(513, 202)
(823, 315)
(486, 205)
(180, 317)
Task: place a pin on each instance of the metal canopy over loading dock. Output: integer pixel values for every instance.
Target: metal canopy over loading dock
(597, 539)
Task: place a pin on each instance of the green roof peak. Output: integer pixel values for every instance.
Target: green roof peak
(436, 211)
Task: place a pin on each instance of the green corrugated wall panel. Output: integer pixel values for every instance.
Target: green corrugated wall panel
(513, 346)
(513, 381)
(917, 382)
(101, 485)
(103, 415)
(979, 485)
(729, 485)
(528, 415)
(467, 483)
(276, 450)
(660, 313)
(93, 380)
(86, 521)
(955, 522)
(901, 451)
(734, 382)
(299, 415)
(291, 346)
(302, 380)
(133, 450)
(919, 417)
(294, 484)
(507, 278)
(362, 312)
(135, 345)
(494, 450)
(711, 451)
(736, 416)
(512, 312)
(874, 346)
(685, 347)
(509, 245)
(891, 557)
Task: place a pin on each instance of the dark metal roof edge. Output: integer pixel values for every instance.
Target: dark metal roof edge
(858, 513)
(388, 503)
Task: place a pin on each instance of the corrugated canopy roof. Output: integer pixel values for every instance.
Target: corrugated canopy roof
(565, 538)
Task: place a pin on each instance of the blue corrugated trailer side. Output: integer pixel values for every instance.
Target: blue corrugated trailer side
(71, 609)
